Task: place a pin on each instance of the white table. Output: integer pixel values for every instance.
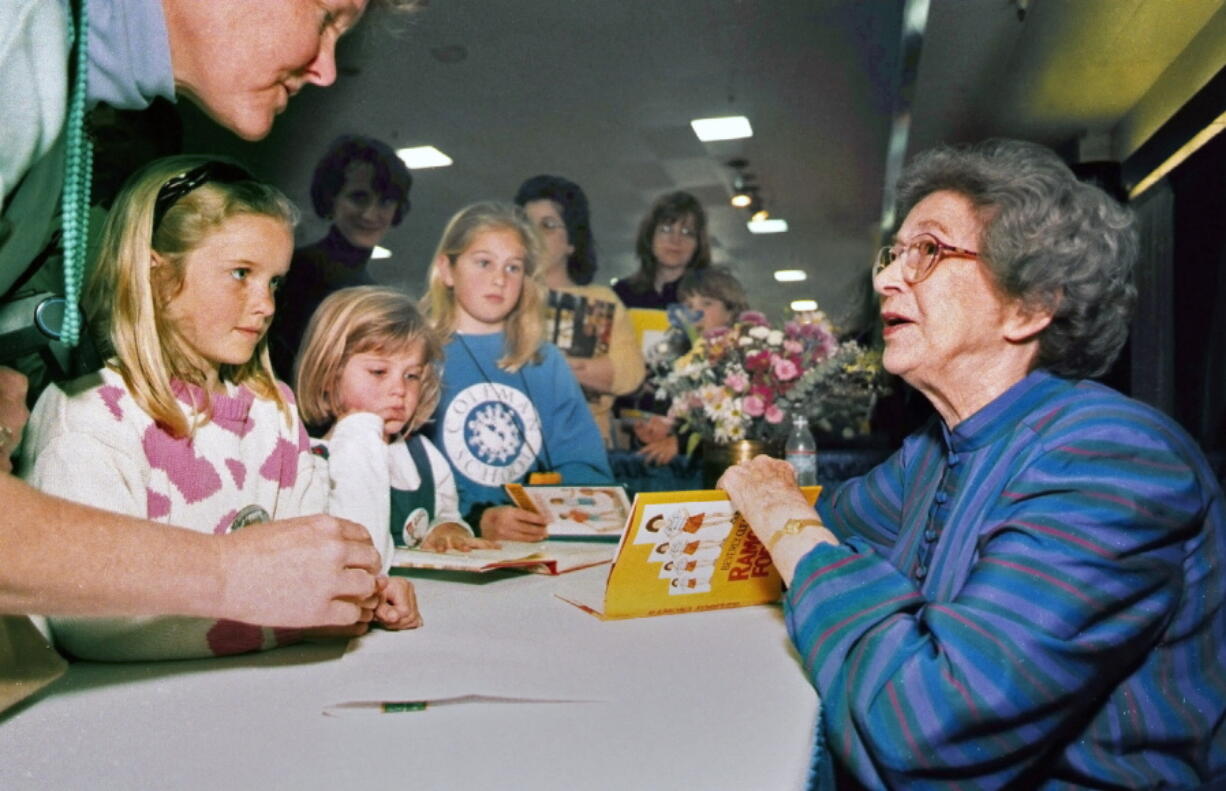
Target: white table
(702, 701)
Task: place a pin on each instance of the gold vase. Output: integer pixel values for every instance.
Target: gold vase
(717, 458)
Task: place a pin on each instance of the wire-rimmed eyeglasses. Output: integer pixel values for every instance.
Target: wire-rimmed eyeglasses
(919, 256)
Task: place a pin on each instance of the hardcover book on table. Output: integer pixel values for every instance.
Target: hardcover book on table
(682, 552)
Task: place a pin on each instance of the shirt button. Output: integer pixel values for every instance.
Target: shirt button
(941, 497)
(952, 459)
(921, 571)
(930, 535)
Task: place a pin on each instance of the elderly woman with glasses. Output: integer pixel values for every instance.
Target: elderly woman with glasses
(1030, 591)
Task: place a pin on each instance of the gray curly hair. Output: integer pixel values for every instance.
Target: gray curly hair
(1049, 240)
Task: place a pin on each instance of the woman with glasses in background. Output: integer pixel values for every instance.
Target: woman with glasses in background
(1030, 592)
(672, 240)
(558, 209)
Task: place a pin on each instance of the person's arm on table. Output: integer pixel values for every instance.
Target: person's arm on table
(765, 493)
(64, 558)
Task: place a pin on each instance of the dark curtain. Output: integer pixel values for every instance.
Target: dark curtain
(1199, 305)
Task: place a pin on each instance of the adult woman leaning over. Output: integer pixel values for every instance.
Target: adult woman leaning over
(1030, 592)
(558, 209)
(672, 240)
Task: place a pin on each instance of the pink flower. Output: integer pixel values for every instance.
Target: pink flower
(774, 414)
(793, 347)
(785, 369)
(754, 406)
(758, 361)
(753, 317)
(737, 382)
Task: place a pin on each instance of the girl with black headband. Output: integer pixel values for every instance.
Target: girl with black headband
(186, 424)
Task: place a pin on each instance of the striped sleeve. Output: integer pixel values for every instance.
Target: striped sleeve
(869, 506)
(1078, 573)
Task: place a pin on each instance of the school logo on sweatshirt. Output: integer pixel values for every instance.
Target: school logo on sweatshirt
(491, 432)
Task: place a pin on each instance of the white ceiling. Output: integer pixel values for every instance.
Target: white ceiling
(602, 92)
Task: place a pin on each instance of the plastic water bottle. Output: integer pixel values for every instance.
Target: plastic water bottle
(801, 451)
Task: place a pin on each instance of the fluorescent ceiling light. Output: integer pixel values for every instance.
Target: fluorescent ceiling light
(790, 275)
(774, 225)
(422, 157)
(801, 305)
(380, 252)
(732, 127)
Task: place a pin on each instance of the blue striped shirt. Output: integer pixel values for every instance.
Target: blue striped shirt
(1034, 597)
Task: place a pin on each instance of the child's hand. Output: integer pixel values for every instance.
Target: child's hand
(450, 535)
(661, 451)
(653, 429)
(508, 523)
(397, 604)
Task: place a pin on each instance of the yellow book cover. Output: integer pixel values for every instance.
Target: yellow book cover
(649, 326)
(683, 552)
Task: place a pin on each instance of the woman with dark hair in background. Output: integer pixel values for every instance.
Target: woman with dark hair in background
(363, 188)
(558, 210)
(672, 240)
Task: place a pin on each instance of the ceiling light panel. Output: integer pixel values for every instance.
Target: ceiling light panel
(790, 275)
(773, 225)
(733, 127)
(422, 157)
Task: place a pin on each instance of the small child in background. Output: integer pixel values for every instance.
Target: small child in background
(510, 404)
(186, 424)
(714, 298)
(368, 376)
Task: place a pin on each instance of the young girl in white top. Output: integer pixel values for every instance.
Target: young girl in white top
(185, 424)
(510, 405)
(368, 376)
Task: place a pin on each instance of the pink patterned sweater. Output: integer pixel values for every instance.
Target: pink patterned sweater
(88, 441)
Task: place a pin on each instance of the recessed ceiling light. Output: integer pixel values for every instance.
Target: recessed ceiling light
(422, 157)
(790, 275)
(774, 225)
(741, 200)
(380, 252)
(731, 127)
(801, 305)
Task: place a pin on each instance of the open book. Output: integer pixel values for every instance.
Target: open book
(579, 326)
(682, 552)
(545, 557)
(590, 511)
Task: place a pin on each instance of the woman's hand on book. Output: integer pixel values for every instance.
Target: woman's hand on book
(508, 523)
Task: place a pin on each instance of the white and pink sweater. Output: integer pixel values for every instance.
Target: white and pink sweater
(88, 441)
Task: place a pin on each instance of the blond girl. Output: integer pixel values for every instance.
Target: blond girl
(510, 406)
(368, 377)
(186, 424)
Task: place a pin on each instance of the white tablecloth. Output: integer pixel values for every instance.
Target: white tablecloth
(702, 701)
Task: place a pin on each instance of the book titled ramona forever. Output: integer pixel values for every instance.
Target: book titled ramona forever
(682, 552)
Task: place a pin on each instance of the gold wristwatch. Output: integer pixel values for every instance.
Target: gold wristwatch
(791, 528)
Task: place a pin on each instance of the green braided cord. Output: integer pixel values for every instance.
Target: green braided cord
(78, 170)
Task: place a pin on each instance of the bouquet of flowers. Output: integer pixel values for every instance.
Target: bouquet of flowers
(745, 381)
